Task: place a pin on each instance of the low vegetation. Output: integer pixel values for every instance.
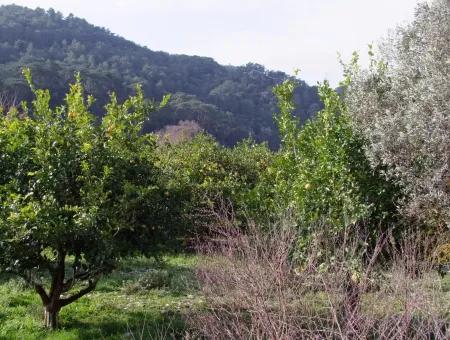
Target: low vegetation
(254, 290)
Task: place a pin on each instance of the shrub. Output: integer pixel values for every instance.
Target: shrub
(442, 258)
(321, 172)
(147, 280)
(253, 289)
(199, 173)
(443, 253)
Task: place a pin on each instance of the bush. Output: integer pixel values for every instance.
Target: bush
(253, 289)
(321, 172)
(149, 279)
(200, 173)
(160, 275)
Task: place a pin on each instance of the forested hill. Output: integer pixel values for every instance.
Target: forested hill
(229, 102)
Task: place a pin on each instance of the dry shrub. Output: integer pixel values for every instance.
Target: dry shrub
(8, 101)
(254, 290)
(184, 131)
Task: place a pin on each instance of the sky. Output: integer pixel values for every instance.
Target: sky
(280, 34)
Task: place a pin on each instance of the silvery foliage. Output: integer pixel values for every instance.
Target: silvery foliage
(401, 104)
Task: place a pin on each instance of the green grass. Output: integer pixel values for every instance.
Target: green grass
(446, 283)
(143, 298)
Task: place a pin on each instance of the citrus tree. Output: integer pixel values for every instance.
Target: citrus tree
(200, 175)
(321, 174)
(74, 192)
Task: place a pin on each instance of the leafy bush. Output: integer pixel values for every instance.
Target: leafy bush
(442, 258)
(200, 173)
(321, 172)
(162, 275)
(149, 279)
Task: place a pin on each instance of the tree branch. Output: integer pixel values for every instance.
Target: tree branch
(84, 291)
(41, 291)
(80, 277)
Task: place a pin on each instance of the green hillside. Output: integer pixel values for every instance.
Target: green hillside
(229, 102)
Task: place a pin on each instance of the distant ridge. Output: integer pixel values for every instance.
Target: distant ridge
(230, 102)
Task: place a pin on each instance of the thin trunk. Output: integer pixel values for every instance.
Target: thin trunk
(53, 301)
(53, 304)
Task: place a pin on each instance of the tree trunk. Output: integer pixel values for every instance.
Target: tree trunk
(53, 301)
(50, 319)
(51, 316)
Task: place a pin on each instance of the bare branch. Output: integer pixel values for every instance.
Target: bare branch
(91, 286)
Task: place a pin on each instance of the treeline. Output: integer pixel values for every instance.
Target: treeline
(231, 103)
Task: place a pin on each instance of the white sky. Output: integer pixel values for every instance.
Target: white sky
(279, 34)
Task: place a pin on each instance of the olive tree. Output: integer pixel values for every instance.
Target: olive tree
(73, 191)
(401, 104)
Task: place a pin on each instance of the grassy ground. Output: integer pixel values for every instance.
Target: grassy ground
(144, 298)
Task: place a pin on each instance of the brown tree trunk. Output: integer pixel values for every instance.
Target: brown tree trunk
(50, 318)
(52, 305)
(53, 301)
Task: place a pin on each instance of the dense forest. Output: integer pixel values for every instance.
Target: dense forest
(229, 102)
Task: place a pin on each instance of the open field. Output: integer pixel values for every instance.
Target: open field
(144, 298)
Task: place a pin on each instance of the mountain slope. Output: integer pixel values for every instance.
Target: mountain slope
(227, 101)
